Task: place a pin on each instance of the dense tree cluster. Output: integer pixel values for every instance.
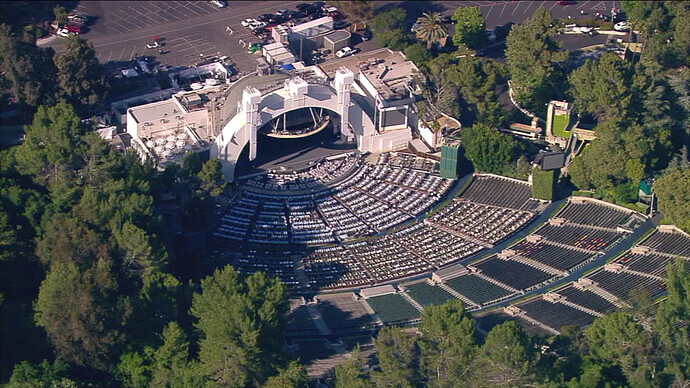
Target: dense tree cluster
(536, 62)
(622, 349)
(38, 76)
(490, 150)
(84, 271)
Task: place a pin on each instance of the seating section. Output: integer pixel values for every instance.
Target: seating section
(670, 243)
(623, 283)
(512, 273)
(318, 176)
(498, 191)
(477, 289)
(579, 237)
(486, 322)
(426, 294)
(652, 264)
(484, 222)
(272, 263)
(364, 199)
(386, 260)
(334, 267)
(586, 299)
(590, 213)
(342, 312)
(393, 308)
(554, 256)
(555, 315)
(433, 245)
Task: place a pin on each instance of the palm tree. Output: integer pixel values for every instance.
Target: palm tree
(430, 28)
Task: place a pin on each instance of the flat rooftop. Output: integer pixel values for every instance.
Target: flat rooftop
(391, 78)
(155, 111)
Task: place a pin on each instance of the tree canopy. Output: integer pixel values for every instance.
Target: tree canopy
(535, 62)
(470, 27)
(489, 150)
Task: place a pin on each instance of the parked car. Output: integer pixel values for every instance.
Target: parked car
(306, 9)
(281, 12)
(153, 45)
(265, 17)
(219, 3)
(336, 15)
(65, 33)
(344, 52)
(366, 35)
(340, 24)
(248, 22)
(566, 2)
(257, 24)
(622, 26)
(79, 19)
(73, 28)
(259, 31)
(318, 4)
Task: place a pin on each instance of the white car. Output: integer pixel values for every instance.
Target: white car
(65, 33)
(219, 3)
(621, 26)
(344, 52)
(248, 22)
(257, 24)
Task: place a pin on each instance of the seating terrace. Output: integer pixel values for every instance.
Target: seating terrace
(425, 294)
(589, 213)
(554, 256)
(512, 273)
(555, 315)
(498, 191)
(579, 237)
(586, 299)
(393, 308)
(670, 243)
(477, 289)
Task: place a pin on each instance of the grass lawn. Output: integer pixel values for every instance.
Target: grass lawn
(560, 123)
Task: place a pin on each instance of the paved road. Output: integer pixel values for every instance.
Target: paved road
(191, 30)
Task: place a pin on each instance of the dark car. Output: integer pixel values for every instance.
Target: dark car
(336, 15)
(340, 24)
(366, 35)
(318, 4)
(265, 17)
(259, 31)
(292, 15)
(566, 2)
(303, 6)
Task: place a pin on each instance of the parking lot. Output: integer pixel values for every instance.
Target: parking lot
(193, 30)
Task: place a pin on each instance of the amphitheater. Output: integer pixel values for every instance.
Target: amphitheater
(363, 241)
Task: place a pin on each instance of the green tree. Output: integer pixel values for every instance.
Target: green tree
(535, 62)
(191, 164)
(619, 339)
(390, 20)
(358, 11)
(393, 39)
(470, 27)
(293, 376)
(478, 81)
(212, 178)
(506, 358)
(395, 350)
(447, 345)
(79, 75)
(350, 374)
(241, 325)
(172, 367)
(29, 69)
(43, 375)
(60, 14)
(671, 318)
(431, 28)
(602, 87)
(51, 143)
(418, 54)
(673, 190)
(489, 150)
(83, 313)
